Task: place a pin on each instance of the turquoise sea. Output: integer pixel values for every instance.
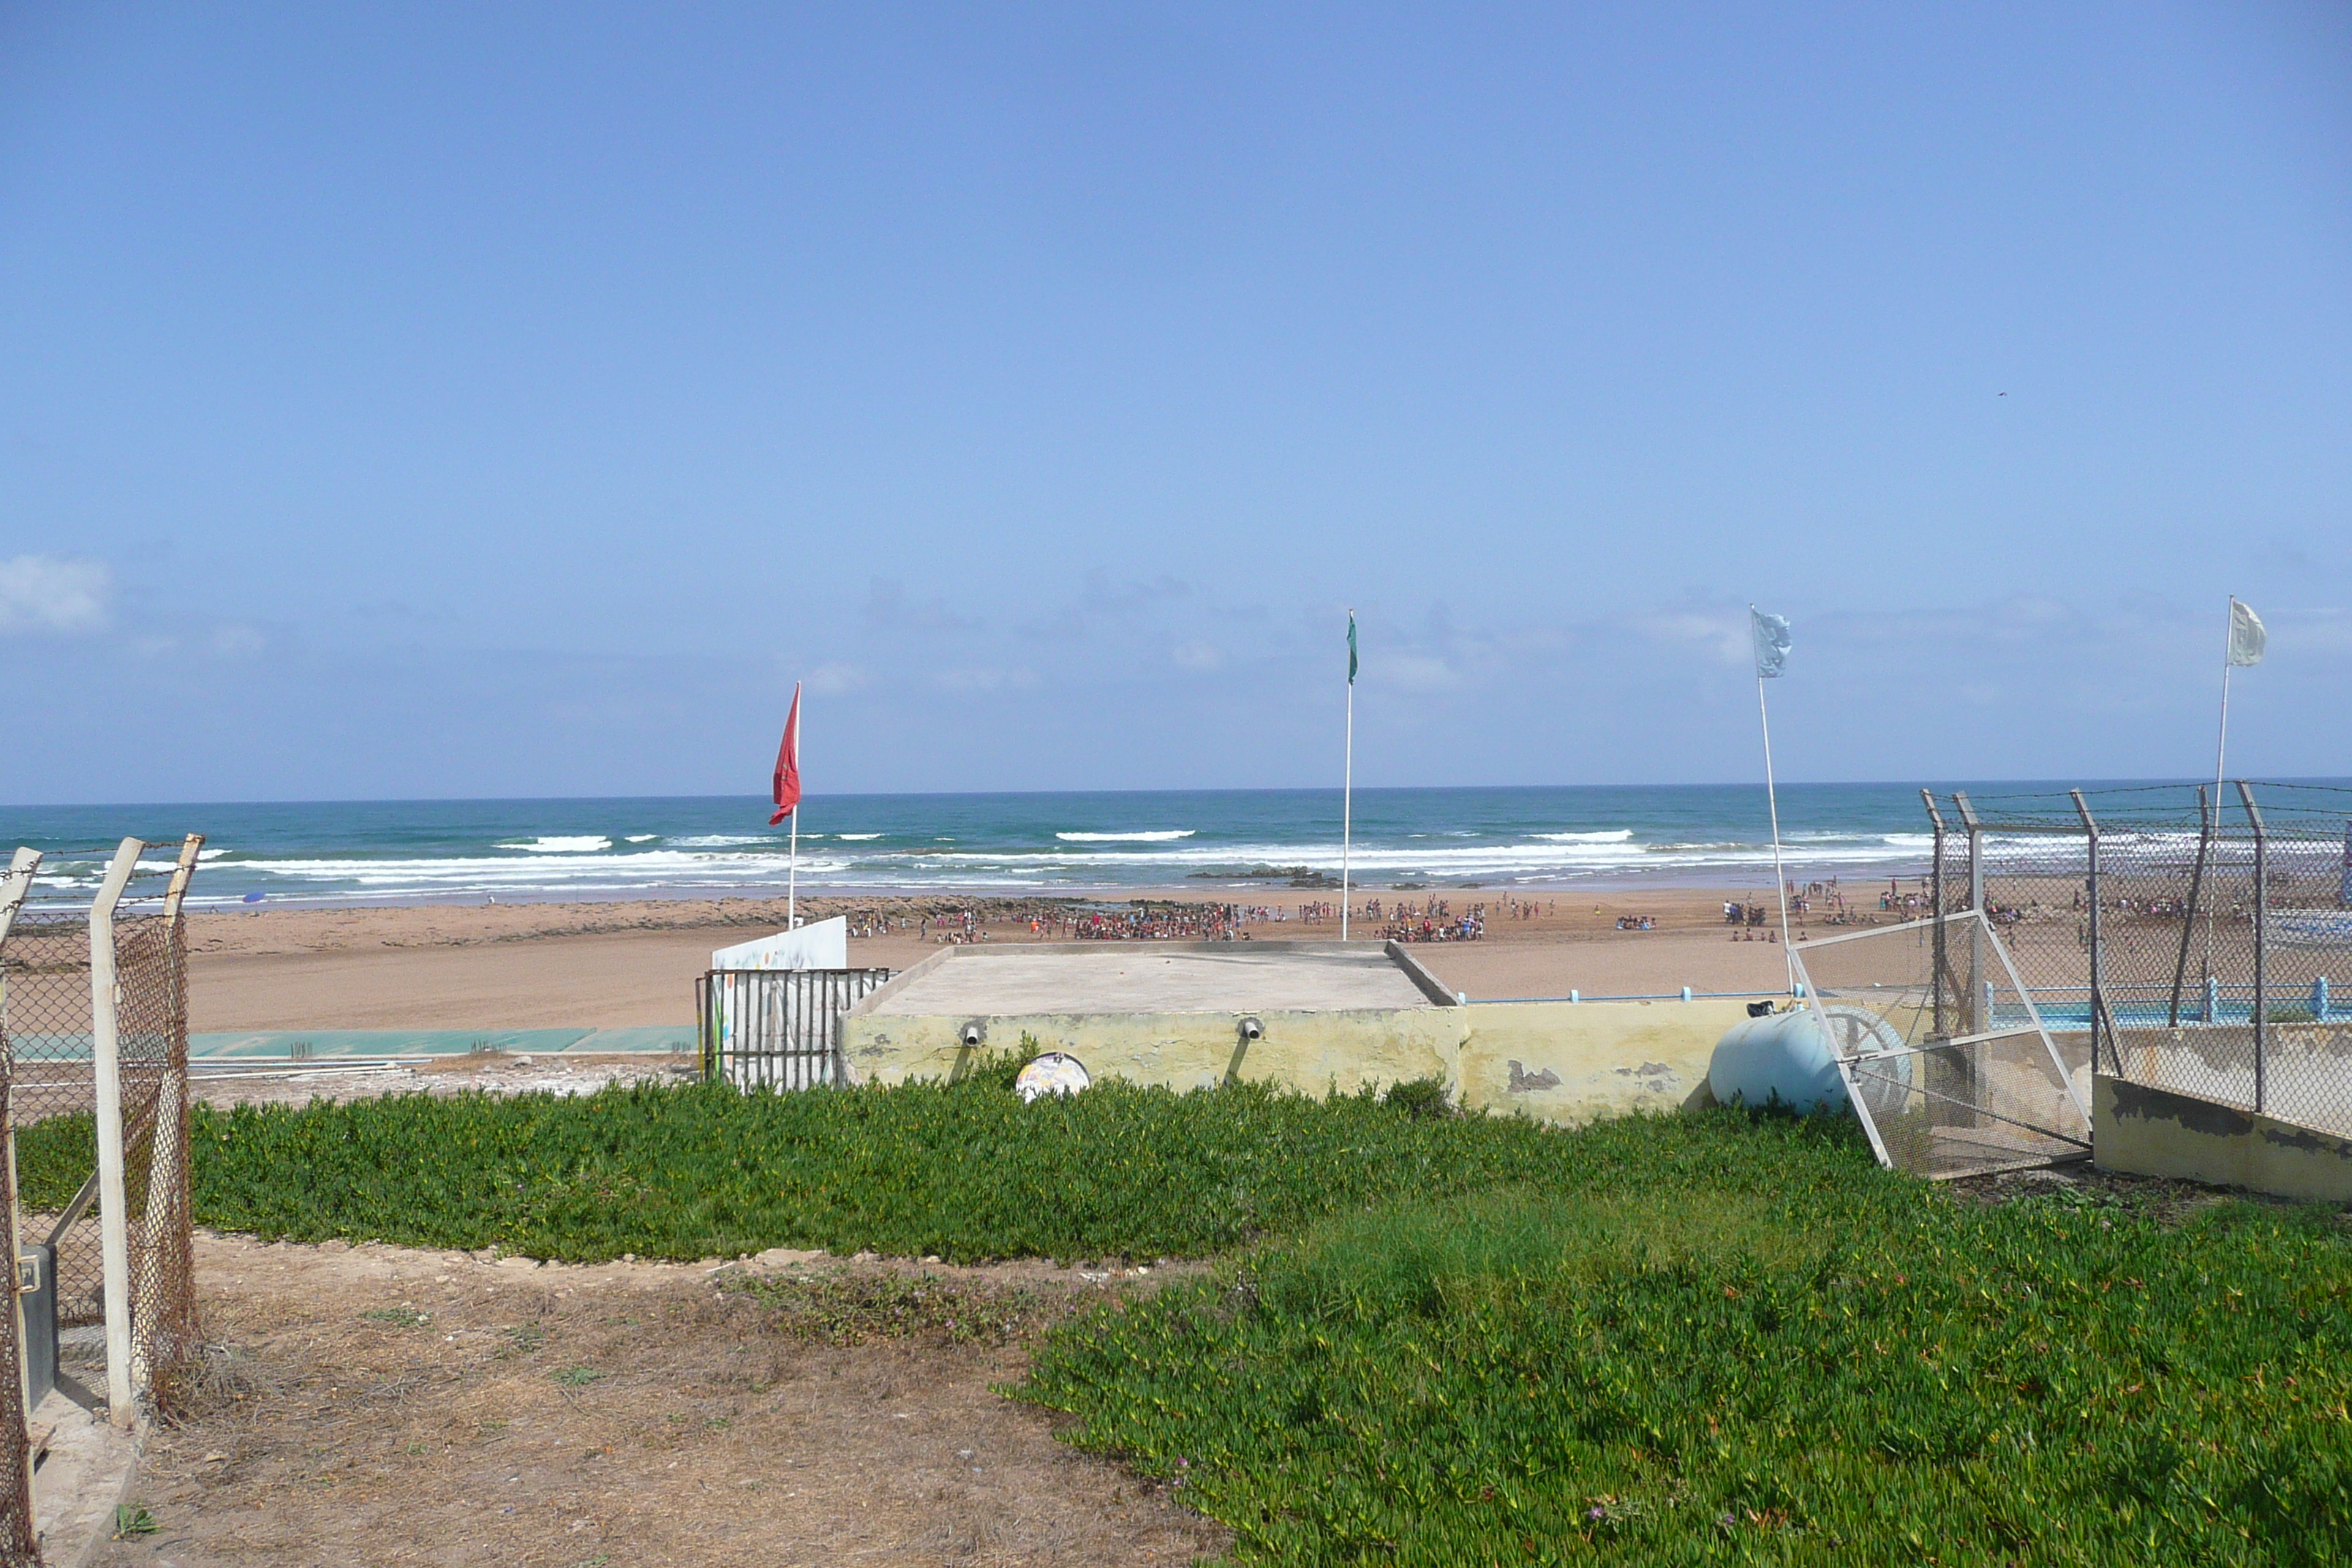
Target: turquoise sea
(1220, 842)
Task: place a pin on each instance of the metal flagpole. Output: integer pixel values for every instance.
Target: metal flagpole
(1347, 785)
(2243, 643)
(2221, 745)
(792, 861)
(1771, 637)
(1772, 803)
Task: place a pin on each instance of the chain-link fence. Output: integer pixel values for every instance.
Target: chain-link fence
(18, 1544)
(93, 1042)
(2195, 940)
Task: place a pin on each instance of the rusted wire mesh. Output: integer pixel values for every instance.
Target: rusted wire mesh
(18, 1547)
(151, 968)
(45, 1022)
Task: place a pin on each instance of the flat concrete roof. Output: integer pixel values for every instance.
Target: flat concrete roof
(1151, 977)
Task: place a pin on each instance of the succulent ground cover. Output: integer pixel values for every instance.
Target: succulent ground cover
(1810, 1362)
(964, 1171)
(1431, 1338)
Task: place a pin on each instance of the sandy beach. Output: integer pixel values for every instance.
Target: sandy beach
(621, 965)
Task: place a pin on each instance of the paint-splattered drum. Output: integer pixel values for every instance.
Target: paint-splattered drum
(1053, 1073)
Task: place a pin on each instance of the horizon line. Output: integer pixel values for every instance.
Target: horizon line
(2059, 786)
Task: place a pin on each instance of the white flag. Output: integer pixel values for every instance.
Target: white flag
(1771, 643)
(2247, 637)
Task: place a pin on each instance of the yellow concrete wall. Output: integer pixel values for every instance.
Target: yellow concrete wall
(1311, 1051)
(1557, 1061)
(2156, 1133)
(1568, 1062)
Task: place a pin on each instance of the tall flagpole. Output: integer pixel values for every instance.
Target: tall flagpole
(2221, 746)
(1772, 803)
(1770, 635)
(1347, 785)
(792, 875)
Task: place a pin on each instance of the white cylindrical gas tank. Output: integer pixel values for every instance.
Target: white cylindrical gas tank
(1782, 1054)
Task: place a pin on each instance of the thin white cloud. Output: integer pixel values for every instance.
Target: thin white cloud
(51, 593)
(986, 680)
(1418, 672)
(834, 679)
(237, 640)
(1199, 655)
(1724, 633)
(2322, 631)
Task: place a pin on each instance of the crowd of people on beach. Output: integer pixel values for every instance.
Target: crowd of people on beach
(1433, 922)
(1151, 922)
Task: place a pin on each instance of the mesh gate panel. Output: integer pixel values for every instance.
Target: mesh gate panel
(45, 1027)
(1943, 1055)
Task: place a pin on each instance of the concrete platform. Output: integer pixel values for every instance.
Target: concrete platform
(1068, 978)
(84, 1470)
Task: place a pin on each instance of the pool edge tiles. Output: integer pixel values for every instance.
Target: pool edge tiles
(373, 1045)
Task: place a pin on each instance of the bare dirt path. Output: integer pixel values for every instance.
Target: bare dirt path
(380, 1404)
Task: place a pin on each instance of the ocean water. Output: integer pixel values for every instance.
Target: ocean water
(1221, 843)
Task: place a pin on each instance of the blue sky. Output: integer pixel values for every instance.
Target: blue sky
(404, 401)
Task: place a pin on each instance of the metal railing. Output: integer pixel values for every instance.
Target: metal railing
(778, 1028)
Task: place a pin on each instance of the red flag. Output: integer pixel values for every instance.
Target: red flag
(788, 763)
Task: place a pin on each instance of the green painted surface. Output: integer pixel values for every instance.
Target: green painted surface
(292, 1045)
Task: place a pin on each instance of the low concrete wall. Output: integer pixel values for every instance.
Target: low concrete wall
(1562, 1062)
(2158, 1132)
(1312, 1051)
(1568, 1062)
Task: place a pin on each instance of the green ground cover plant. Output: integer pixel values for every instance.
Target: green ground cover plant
(1806, 1359)
(1444, 1338)
(962, 1170)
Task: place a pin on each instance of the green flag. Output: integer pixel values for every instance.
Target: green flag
(1351, 648)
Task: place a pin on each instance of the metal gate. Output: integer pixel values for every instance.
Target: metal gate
(1946, 1058)
(778, 1028)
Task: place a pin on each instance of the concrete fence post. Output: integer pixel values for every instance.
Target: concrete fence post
(106, 1068)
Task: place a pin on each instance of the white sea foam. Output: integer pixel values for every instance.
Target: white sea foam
(642, 837)
(1157, 835)
(857, 836)
(730, 840)
(1608, 836)
(560, 844)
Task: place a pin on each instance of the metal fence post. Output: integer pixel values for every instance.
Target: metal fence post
(1971, 1019)
(2188, 915)
(106, 1064)
(2262, 920)
(1935, 903)
(2099, 1013)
